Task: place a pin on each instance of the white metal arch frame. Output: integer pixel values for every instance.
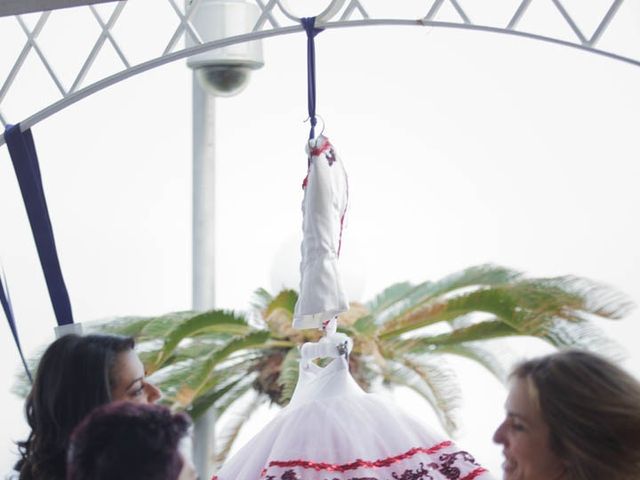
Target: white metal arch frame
(347, 13)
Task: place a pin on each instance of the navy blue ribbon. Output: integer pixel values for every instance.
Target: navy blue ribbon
(5, 300)
(312, 31)
(25, 163)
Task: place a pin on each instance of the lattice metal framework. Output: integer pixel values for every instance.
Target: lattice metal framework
(275, 19)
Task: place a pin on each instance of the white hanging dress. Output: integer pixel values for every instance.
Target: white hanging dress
(333, 430)
(322, 295)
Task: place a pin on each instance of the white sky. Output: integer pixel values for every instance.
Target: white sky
(461, 147)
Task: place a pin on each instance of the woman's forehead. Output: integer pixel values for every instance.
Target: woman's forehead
(128, 365)
(523, 399)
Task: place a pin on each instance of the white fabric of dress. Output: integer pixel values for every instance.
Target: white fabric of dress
(333, 430)
(322, 295)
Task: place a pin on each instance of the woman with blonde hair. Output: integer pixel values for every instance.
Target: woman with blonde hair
(571, 416)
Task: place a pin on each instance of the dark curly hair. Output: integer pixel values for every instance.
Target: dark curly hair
(592, 408)
(127, 441)
(75, 375)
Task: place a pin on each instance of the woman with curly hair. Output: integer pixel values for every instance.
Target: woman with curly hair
(75, 375)
(125, 441)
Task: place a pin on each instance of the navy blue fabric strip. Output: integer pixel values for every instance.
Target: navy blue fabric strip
(312, 31)
(25, 164)
(5, 299)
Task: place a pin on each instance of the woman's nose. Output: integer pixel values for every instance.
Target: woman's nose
(153, 393)
(498, 435)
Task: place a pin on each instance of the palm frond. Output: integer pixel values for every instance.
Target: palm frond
(365, 326)
(498, 301)
(437, 385)
(486, 275)
(224, 403)
(171, 379)
(355, 312)
(285, 300)
(229, 435)
(289, 375)
(596, 299)
(197, 347)
(479, 276)
(389, 296)
(261, 299)
(141, 328)
(22, 385)
(462, 321)
(127, 326)
(583, 334)
(196, 381)
(231, 392)
(527, 305)
(218, 321)
(477, 354)
(160, 326)
(485, 330)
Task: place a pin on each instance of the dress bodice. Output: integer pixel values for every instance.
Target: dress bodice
(318, 383)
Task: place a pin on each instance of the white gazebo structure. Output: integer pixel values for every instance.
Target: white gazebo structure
(273, 18)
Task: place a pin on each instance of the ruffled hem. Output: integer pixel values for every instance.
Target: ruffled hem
(439, 462)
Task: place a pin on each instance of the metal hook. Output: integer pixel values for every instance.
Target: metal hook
(323, 124)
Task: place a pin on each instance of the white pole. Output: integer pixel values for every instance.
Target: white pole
(203, 280)
(203, 256)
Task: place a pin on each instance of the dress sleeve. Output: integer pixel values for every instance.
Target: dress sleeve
(322, 295)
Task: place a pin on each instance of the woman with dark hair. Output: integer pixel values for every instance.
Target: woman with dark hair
(124, 441)
(75, 375)
(571, 416)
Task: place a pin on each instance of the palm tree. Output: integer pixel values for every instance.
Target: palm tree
(212, 359)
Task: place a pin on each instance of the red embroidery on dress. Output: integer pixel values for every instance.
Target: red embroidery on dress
(321, 149)
(420, 473)
(449, 465)
(475, 474)
(387, 462)
(331, 158)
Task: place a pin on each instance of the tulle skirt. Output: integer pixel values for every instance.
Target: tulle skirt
(350, 437)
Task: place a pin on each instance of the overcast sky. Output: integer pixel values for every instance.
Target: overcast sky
(461, 147)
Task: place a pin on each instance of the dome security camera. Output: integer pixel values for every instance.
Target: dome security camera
(223, 80)
(225, 72)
